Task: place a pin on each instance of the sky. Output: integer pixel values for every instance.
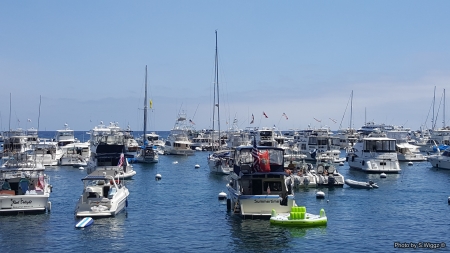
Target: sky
(82, 62)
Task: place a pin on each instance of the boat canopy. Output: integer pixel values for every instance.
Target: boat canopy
(246, 160)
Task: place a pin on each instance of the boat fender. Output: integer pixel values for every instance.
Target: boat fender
(363, 163)
(346, 159)
(353, 158)
(228, 204)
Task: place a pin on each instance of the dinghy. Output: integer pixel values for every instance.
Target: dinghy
(361, 185)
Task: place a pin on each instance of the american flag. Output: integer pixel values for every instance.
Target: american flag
(121, 160)
(192, 122)
(284, 114)
(255, 154)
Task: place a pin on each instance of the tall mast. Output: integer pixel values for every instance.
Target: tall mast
(351, 110)
(217, 84)
(145, 107)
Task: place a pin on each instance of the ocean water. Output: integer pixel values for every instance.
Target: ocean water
(182, 213)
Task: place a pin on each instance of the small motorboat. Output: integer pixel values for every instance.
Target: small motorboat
(298, 217)
(361, 185)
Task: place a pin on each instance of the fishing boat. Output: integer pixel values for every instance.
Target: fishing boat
(24, 187)
(298, 217)
(103, 196)
(361, 185)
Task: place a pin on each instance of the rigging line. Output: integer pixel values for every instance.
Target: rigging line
(340, 125)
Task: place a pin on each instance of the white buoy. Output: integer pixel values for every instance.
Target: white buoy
(81, 168)
(449, 200)
(222, 195)
(383, 175)
(175, 162)
(410, 163)
(158, 177)
(320, 194)
(197, 166)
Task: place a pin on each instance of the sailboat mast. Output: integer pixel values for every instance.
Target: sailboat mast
(434, 100)
(443, 120)
(145, 107)
(351, 110)
(218, 102)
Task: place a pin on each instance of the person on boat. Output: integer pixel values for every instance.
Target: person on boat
(6, 185)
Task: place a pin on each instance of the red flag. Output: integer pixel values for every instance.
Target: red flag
(265, 115)
(253, 119)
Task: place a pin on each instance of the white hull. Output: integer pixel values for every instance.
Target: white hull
(171, 151)
(101, 197)
(258, 205)
(375, 165)
(438, 162)
(23, 203)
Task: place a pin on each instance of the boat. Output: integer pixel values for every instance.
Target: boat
(440, 160)
(298, 217)
(177, 142)
(258, 183)
(220, 161)
(319, 142)
(326, 173)
(302, 174)
(374, 154)
(146, 153)
(108, 153)
(74, 152)
(361, 185)
(47, 152)
(103, 196)
(24, 187)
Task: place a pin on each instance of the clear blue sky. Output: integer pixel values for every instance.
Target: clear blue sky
(303, 58)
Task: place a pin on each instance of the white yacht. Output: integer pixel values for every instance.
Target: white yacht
(406, 152)
(74, 152)
(320, 142)
(440, 160)
(24, 187)
(47, 152)
(258, 183)
(177, 142)
(102, 196)
(326, 173)
(375, 153)
(155, 140)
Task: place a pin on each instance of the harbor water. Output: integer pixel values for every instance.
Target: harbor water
(182, 213)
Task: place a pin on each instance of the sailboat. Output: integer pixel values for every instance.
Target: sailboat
(146, 153)
(220, 161)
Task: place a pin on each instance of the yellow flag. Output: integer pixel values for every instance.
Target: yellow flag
(151, 104)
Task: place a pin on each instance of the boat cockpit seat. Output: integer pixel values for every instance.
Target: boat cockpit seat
(331, 170)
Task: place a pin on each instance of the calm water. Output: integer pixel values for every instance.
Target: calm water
(182, 213)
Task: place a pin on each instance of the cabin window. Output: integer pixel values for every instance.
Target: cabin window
(272, 185)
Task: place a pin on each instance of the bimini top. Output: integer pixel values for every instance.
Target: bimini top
(258, 160)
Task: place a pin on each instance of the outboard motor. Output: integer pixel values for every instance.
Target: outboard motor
(331, 180)
(371, 182)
